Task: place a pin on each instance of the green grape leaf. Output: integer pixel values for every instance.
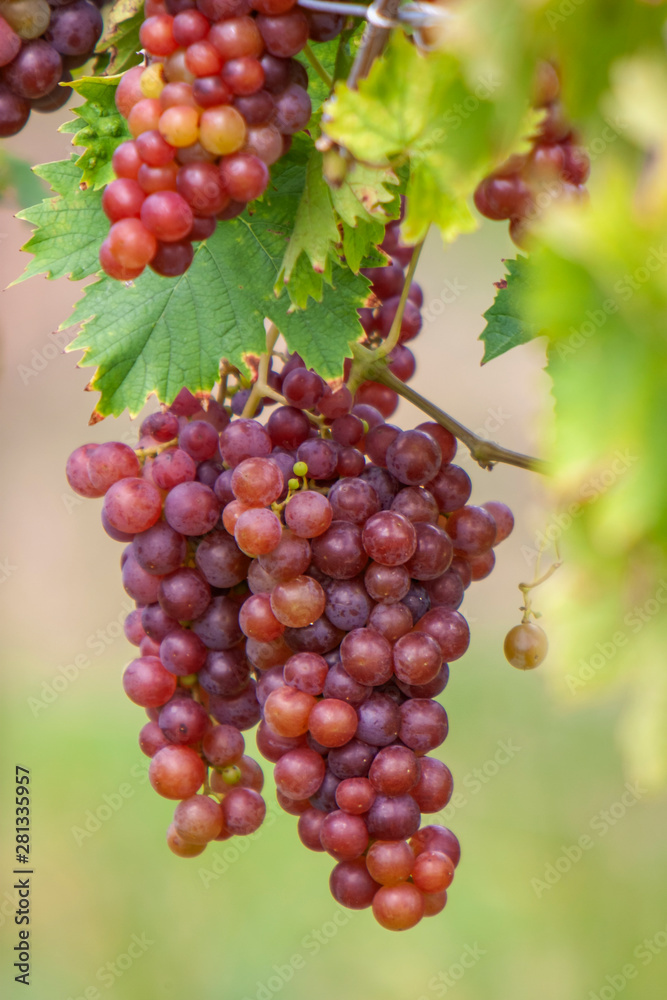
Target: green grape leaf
(359, 244)
(103, 130)
(362, 205)
(16, 175)
(135, 335)
(121, 35)
(315, 231)
(506, 326)
(70, 227)
(422, 107)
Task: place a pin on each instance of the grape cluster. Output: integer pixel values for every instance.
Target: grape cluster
(556, 168)
(304, 574)
(217, 104)
(40, 43)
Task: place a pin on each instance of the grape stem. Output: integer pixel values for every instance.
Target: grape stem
(317, 65)
(485, 453)
(261, 387)
(387, 346)
(143, 453)
(525, 588)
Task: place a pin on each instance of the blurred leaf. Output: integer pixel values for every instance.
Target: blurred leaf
(104, 129)
(121, 35)
(17, 175)
(599, 283)
(505, 326)
(421, 107)
(567, 31)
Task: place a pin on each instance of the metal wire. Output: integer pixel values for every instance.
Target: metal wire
(415, 14)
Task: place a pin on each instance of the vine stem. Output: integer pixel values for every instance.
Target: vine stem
(485, 453)
(317, 65)
(261, 387)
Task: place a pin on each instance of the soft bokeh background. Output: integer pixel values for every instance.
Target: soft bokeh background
(530, 914)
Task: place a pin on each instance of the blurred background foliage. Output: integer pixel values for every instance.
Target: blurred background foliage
(559, 775)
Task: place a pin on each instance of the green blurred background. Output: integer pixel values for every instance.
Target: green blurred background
(530, 914)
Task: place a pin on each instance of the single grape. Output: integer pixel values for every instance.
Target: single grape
(308, 828)
(332, 722)
(198, 819)
(35, 71)
(132, 505)
(243, 810)
(75, 28)
(389, 538)
(180, 847)
(191, 508)
(352, 760)
(366, 656)
(147, 683)
(424, 724)
(299, 773)
(183, 721)
(398, 907)
(351, 884)
(344, 835)
(394, 771)
(526, 646)
(286, 711)
(435, 785)
(390, 862)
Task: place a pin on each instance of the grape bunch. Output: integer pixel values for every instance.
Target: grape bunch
(305, 574)
(556, 168)
(40, 43)
(217, 104)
